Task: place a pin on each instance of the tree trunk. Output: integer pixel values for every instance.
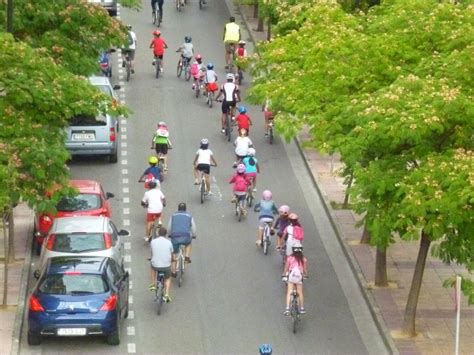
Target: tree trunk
(381, 267)
(365, 239)
(269, 30)
(255, 9)
(5, 260)
(412, 302)
(11, 235)
(346, 195)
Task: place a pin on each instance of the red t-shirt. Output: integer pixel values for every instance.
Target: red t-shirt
(243, 121)
(158, 45)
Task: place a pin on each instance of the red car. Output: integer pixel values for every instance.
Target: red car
(91, 201)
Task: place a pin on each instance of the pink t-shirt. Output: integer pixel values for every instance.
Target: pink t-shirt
(293, 262)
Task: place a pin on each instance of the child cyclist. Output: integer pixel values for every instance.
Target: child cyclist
(241, 182)
(243, 119)
(159, 45)
(251, 167)
(198, 70)
(296, 267)
(211, 78)
(187, 50)
(161, 142)
(152, 173)
(268, 210)
(241, 56)
(280, 224)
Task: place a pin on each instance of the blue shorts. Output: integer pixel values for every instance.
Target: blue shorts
(180, 241)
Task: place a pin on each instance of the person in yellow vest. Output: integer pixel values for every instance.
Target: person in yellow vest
(231, 38)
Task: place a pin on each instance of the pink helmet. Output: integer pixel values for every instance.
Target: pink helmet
(293, 216)
(284, 209)
(241, 168)
(267, 195)
(198, 57)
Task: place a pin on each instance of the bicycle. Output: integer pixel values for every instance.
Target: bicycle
(240, 210)
(157, 62)
(202, 186)
(156, 15)
(265, 241)
(180, 265)
(183, 65)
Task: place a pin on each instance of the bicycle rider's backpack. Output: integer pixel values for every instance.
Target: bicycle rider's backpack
(130, 38)
(295, 275)
(251, 161)
(298, 233)
(194, 69)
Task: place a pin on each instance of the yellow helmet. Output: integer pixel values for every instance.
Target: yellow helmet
(153, 160)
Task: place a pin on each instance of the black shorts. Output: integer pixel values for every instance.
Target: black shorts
(159, 56)
(205, 168)
(165, 270)
(161, 148)
(226, 105)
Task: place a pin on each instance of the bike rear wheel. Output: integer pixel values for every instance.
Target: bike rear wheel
(227, 126)
(197, 89)
(270, 135)
(187, 72)
(200, 4)
(159, 298)
(295, 314)
(157, 67)
(180, 269)
(250, 197)
(266, 239)
(202, 190)
(128, 69)
(210, 98)
(179, 68)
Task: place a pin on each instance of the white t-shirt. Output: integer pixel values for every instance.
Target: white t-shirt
(204, 156)
(154, 199)
(290, 243)
(210, 76)
(242, 145)
(188, 50)
(134, 37)
(230, 91)
(161, 252)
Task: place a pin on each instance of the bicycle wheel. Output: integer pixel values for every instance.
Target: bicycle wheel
(157, 67)
(187, 72)
(202, 190)
(200, 4)
(266, 233)
(180, 268)
(210, 99)
(159, 298)
(179, 68)
(128, 69)
(239, 211)
(227, 126)
(295, 314)
(197, 89)
(154, 17)
(270, 135)
(250, 197)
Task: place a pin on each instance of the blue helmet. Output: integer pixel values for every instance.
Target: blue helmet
(242, 109)
(265, 349)
(187, 39)
(210, 66)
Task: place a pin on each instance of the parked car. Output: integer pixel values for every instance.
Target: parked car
(78, 296)
(109, 5)
(91, 201)
(83, 235)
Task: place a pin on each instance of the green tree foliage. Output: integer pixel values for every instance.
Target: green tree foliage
(72, 32)
(36, 99)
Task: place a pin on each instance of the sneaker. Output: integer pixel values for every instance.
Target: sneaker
(244, 211)
(123, 64)
(234, 199)
(254, 189)
(266, 134)
(167, 298)
(258, 242)
(302, 310)
(196, 182)
(152, 287)
(287, 311)
(193, 87)
(210, 193)
(153, 63)
(174, 274)
(132, 71)
(223, 130)
(146, 238)
(161, 70)
(187, 259)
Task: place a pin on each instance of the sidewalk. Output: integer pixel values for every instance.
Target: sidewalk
(17, 279)
(435, 313)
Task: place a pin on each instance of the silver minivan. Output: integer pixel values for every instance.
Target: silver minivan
(83, 236)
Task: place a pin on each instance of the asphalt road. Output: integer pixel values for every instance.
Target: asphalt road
(232, 298)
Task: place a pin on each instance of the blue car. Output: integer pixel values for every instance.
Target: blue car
(78, 296)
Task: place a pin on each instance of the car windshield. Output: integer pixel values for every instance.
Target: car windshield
(105, 89)
(81, 202)
(78, 242)
(77, 283)
(88, 120)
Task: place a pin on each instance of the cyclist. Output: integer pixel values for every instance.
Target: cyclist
(130, 49)
(152, 173)
(268, 210)
(198, 70)
(243, 119)
(241, 53)
(231, 37)
(187, 50)
(267, 114)
(182, 229)
(242, 145)
(265, 349)
(211, 78)
(202, 162)
(159, 45)
(281, 223)
(251, 167)
(160, 7)
(296, 267)
(241, 182)
(161, 142)
(154, 201)
(160, 261)
(231, 94)
(293, 233)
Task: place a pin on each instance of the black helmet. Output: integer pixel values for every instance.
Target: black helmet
(187, 39)
(152, 184)
(182, 206)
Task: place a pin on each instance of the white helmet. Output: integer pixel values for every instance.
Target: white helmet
(251, 152)
(230, 76)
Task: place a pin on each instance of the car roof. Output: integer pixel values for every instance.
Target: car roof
(86, 186)
(85, 264)
(99, 80)
(79, 224)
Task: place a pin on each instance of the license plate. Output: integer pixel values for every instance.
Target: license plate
(83, 136)
(71, 331)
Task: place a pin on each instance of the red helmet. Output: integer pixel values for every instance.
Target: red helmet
(198, 57)
(156, 33)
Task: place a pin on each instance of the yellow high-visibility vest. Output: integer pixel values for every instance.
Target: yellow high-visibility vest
(232, 32)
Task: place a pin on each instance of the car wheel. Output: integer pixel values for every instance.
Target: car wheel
(113, 158)
(34, 339)
(126, 311)
(114, 338)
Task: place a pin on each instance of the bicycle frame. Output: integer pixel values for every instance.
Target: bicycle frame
(160, 286)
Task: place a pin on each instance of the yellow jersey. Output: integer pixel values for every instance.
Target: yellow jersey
(232, 33)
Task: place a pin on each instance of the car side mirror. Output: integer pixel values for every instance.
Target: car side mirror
(124, 233)
(109, 195)
(116, 87)
(37, 274)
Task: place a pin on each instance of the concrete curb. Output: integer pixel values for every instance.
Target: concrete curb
(373, 307)
(20, 311)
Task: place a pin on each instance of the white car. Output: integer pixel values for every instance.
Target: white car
(109, 5)
(83, 236)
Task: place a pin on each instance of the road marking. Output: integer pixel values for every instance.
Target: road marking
(132, 348)
(125, 181)
(124, 171)
(215, 188)
(124, 129)
(122, 89)
(131, 314)
(126, 222)
(130, 330)
(128, 258)
(130, 299)
(126, 200)
(123, 121)
(125, 190)
(124, 162)
(130, 285)
(126, 211)
(123, 152)
(122, 83)
(127, 246)
(123, 144)
(123, 137)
